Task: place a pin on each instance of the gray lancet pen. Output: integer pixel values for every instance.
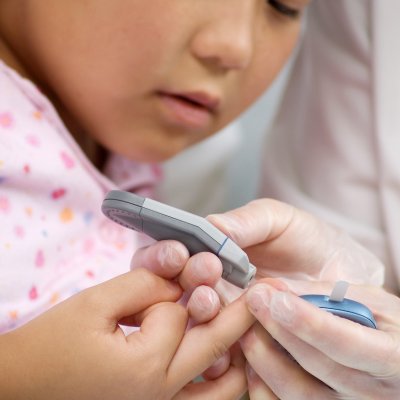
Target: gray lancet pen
(163, 222)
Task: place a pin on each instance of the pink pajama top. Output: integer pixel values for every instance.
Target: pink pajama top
(54, 240)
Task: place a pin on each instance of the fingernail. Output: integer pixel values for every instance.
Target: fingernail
(171, 257)
(282, 308)
(258, 299)
(262, 297)
(205, 298)
(230, 223)
(201, 269)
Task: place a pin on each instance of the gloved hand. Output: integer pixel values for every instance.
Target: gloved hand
(282, 241)
(285, 242)
(336, 358)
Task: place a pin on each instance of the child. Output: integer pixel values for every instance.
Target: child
(89, 92)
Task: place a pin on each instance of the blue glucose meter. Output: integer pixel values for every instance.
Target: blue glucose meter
(344, 308)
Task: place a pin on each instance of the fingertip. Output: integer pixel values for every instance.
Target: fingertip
(227, 223)
(172, 257)
(166, 258)
(258, 299)
(203, 305)
(219, 220)
(201, 269)
(264, 300)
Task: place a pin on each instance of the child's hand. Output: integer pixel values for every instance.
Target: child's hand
(77, 350)
(197, 274)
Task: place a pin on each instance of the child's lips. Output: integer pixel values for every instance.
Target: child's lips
(200, 99)
(192, 110)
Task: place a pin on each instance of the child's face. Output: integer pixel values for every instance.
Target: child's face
(147, 78)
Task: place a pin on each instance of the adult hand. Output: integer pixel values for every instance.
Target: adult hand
(336, 358)
(284, 241)
(279, 239)
(78, 350)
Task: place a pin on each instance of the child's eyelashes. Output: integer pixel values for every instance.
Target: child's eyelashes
(284, 9)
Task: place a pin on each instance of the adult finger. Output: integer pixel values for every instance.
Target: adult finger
(349, 382)
(384, 306)
(286, 379)
(257, 388)
(341, 340)
(256, 222)
(165, 258)
(280, 240)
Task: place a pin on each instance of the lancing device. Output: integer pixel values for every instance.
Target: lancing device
(163, 222)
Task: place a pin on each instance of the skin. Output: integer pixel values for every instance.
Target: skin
(104, 63)
(336, 358)
(282, 240)
(198, 276)
(86, 355)
(332, 360)
(108, 67)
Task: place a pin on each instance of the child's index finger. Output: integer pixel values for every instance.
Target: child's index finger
(206, 343)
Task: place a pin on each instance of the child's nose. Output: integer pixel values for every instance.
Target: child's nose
(227, 41)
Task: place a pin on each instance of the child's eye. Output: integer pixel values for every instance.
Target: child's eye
(284, 9)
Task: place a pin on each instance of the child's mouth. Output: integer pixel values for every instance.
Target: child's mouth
(193, 110)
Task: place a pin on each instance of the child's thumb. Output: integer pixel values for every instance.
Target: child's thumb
(131, 293)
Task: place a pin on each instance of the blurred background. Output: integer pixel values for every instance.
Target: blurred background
(223, 172)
